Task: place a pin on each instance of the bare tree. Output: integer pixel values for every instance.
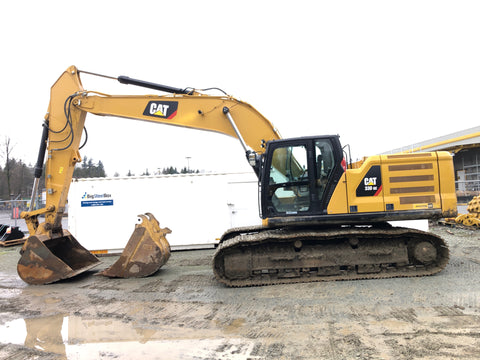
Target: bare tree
(6, 153)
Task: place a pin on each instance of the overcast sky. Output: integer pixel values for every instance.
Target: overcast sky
(382, 74)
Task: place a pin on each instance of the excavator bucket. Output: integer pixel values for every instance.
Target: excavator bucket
(46, 260)
(146, 251)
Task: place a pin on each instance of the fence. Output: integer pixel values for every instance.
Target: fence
(10, 210)
(14, 207)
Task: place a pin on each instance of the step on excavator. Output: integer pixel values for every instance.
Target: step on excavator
(322, 219)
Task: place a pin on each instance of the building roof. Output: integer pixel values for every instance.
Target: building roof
(451, 142)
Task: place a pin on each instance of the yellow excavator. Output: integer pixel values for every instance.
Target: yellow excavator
(321, 219)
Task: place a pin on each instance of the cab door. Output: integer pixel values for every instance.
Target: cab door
(298, 176)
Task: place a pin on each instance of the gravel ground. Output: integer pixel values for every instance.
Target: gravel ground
(183, 313)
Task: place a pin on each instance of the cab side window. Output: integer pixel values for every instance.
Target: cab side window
(288, 184)
(324, 163)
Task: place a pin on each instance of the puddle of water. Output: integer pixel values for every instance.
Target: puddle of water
(231, 349)
(46, 334)
(78, 338)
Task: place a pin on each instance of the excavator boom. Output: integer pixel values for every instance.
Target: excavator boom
(43, 255)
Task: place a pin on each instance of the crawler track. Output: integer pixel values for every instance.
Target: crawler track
(258, 256)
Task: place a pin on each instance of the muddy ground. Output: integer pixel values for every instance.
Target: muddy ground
(183, 313)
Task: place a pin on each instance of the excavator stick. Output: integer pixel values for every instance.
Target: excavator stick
(146, 251)
(46, 260)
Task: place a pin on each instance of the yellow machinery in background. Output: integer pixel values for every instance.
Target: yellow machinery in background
(472, 218)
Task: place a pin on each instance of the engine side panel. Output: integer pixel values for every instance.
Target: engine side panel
(411, 181)
(398, 183)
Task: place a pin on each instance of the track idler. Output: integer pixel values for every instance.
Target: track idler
(145, 253)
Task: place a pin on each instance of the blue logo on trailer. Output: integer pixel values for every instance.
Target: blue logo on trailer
(97, 203)
(89, 200)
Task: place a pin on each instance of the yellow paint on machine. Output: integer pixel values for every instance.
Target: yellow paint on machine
(408, 182)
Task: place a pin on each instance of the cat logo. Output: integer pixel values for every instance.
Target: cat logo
(371, 185)
(161, 109)
(370, 181)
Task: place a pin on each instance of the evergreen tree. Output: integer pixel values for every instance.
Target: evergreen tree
(170, 171)
(89, 169)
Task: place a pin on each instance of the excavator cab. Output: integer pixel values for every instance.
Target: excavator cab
(299, 175)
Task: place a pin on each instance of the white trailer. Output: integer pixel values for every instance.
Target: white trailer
(198, 208)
